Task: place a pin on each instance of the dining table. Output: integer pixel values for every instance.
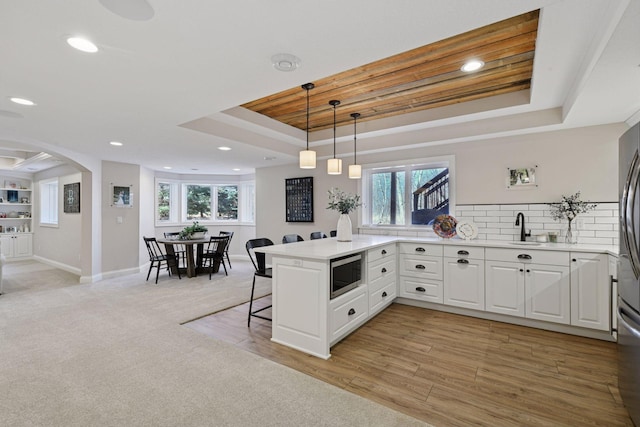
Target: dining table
(194, 263)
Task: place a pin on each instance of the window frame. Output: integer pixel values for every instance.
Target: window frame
(407, 166)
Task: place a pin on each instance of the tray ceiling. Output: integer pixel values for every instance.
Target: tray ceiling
(419, 79)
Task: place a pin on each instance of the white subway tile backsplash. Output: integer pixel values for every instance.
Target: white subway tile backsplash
(497, 222)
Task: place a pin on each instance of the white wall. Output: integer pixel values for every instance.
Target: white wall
(583, 159)
(120, 238)
(61, 245)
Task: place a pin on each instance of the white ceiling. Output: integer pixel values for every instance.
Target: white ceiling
(168, 87)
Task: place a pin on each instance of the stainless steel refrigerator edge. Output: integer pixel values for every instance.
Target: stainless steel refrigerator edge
(629, 273)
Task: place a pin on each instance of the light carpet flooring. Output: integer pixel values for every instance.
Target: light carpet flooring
(113, 353)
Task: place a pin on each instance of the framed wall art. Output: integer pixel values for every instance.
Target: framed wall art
(72, 198)
(522, 177)
(121, 196)
(299, 199)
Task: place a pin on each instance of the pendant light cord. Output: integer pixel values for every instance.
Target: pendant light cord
(335, 103)
(355, 119)
(308, 87)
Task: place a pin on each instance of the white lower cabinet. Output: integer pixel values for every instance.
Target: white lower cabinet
(381, 277)
(420, 269)
(517, 285)
(348, 313)
(590, 297)
(420, 289)
(504, 288)
(464, 277)
(547, 291)
(16, 245)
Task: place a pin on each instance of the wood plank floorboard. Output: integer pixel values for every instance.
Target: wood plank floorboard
(451, 370)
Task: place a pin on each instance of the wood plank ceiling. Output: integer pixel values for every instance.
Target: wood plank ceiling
(419, 79)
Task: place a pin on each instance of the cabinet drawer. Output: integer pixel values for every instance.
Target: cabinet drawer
(428, 267)
(424, 290)
(466, 252)
(382, 252)
(528, 256)
(420, 249)
(381, 297)
(386, 267)
(381, 282)
(349, 314)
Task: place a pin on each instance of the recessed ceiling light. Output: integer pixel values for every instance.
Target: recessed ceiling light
(235, 169)
(285, 62)
(224, 148)
(22, 101)
(167, 167)
(82, 44)
(473, 65)
(116, 143)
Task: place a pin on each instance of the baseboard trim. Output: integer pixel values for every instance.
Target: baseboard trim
(59, 265)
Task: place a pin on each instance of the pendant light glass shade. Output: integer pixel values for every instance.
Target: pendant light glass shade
(334, 166)
(307, 157)
(355, 170)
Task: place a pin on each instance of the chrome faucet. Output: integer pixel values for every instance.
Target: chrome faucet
(523, 234)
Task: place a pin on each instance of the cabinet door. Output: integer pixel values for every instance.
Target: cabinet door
(590, 290)
(22, 245)
(6, 246)
(504, 287)
(547, 290)
(464, 283)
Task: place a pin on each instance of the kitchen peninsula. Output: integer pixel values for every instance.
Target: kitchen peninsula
(565, 288)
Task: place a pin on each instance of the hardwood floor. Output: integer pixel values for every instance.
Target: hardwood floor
(452, 370)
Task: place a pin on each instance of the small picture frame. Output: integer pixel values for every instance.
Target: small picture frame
(121, 196)
(521, 177)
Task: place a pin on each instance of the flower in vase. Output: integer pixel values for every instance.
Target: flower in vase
(343, 202)
(569, 207)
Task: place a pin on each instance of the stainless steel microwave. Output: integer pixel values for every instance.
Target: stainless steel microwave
(346, 274)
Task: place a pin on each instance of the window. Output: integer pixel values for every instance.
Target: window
(227, 203)
(408, 195)
(49, 202)
(167, 202)
(198, 202)
(182, 203)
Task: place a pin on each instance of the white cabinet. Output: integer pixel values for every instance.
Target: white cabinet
(420, 269)
(590, 290)
(347, 312)
(547, 290)
(16, 245)
(504, 287)
(535, 280)
(464, 277)
(381, 277)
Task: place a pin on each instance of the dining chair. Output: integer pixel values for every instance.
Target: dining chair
(213, 254)
(226, 250)
(179, 249)
(292, 238)
(157, 257)
(317, 235)
(258, 259)
(333, 233)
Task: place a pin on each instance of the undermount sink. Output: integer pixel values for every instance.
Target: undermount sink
(525, 243)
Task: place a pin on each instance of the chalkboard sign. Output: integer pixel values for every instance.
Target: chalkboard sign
(299, 199)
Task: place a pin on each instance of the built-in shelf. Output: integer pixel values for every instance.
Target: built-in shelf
(15, 189)
(15, 204)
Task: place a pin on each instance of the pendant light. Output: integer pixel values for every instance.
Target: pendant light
(307, 157)
(334, 166)
(355, 170)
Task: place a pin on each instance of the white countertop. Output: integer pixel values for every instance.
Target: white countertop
(325, 249)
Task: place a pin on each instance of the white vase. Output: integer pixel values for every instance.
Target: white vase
(344, 233)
